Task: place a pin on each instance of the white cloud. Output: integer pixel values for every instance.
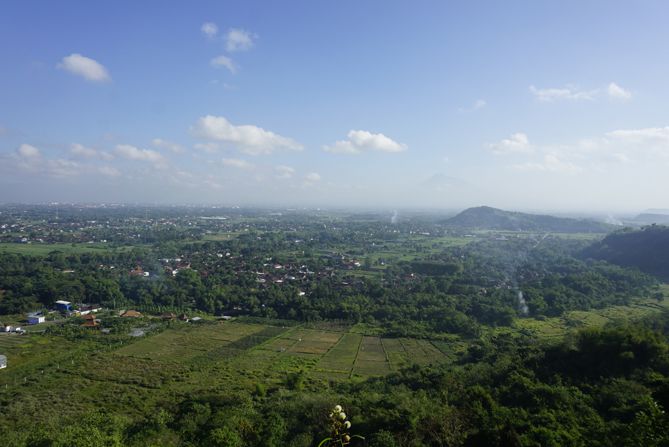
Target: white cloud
(147, 155)
(649, 135)
(109, 171)
(518, 143)
(566, 93)
(362, 140)
(312, 177)
(551, 163)
(617, 92)
(62, 168)
(249, 139)
(30, 159)
(80, 150)
(170, 146)
(27, 151)
(650, 144)
(86, 67)
(237, 163)
(224, 61)
(209, 29)
(647, 147)
(238, 40)
(284, 172)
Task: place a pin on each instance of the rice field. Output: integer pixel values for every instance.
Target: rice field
(11, 340)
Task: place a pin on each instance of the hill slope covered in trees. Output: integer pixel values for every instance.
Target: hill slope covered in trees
(646, 249)
(495, 219)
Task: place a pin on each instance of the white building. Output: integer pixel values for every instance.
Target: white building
(3, 361)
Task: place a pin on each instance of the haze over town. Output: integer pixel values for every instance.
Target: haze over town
(517, 105)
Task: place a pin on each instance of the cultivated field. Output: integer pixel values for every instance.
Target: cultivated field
(274, 351)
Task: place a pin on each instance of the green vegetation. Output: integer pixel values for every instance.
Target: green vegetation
(39, 249)
(646, 249)
(428, 334)
(495, 219)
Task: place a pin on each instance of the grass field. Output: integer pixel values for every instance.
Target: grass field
(557, 327)
(11, 340)
(38, 249)
(49, 375)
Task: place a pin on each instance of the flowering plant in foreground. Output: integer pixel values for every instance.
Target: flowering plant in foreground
(339, 429)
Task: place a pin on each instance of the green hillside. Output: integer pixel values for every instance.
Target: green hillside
(485, 217)
(646, 249)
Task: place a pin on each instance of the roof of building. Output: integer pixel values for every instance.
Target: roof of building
(63, 302)
(131, 313)
(89, 317)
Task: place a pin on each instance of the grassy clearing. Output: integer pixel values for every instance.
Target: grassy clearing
(557, 327)
(342, 355)
(39, 249)
(8, 341)
(184, 343)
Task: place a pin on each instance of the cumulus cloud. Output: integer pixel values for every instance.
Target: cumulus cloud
(565, 93)
(617, 92)
(518, 143)
(209, 29)
(26, 151)
(361, 140)
(133, 153)
(83, 66)
(284, 172)
(224, 62)
(312, 177)
(165, 144)
(79, 150)
(249, 139)
(647, 144)
(236, 163)
(30, 159)
(239, 40)
(644, 146)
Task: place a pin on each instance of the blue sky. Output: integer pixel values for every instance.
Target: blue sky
(523, 105)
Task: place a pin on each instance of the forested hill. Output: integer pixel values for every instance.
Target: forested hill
(485, 217)
(647, 249)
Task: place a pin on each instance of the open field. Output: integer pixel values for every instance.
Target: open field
(558, 327)
(52, 375)
(37, 249)
(11, 340)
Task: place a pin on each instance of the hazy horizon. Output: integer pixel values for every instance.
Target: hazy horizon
(552, 108)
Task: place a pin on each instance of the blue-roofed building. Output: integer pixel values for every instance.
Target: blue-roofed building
(36, 318)
(63, 306)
